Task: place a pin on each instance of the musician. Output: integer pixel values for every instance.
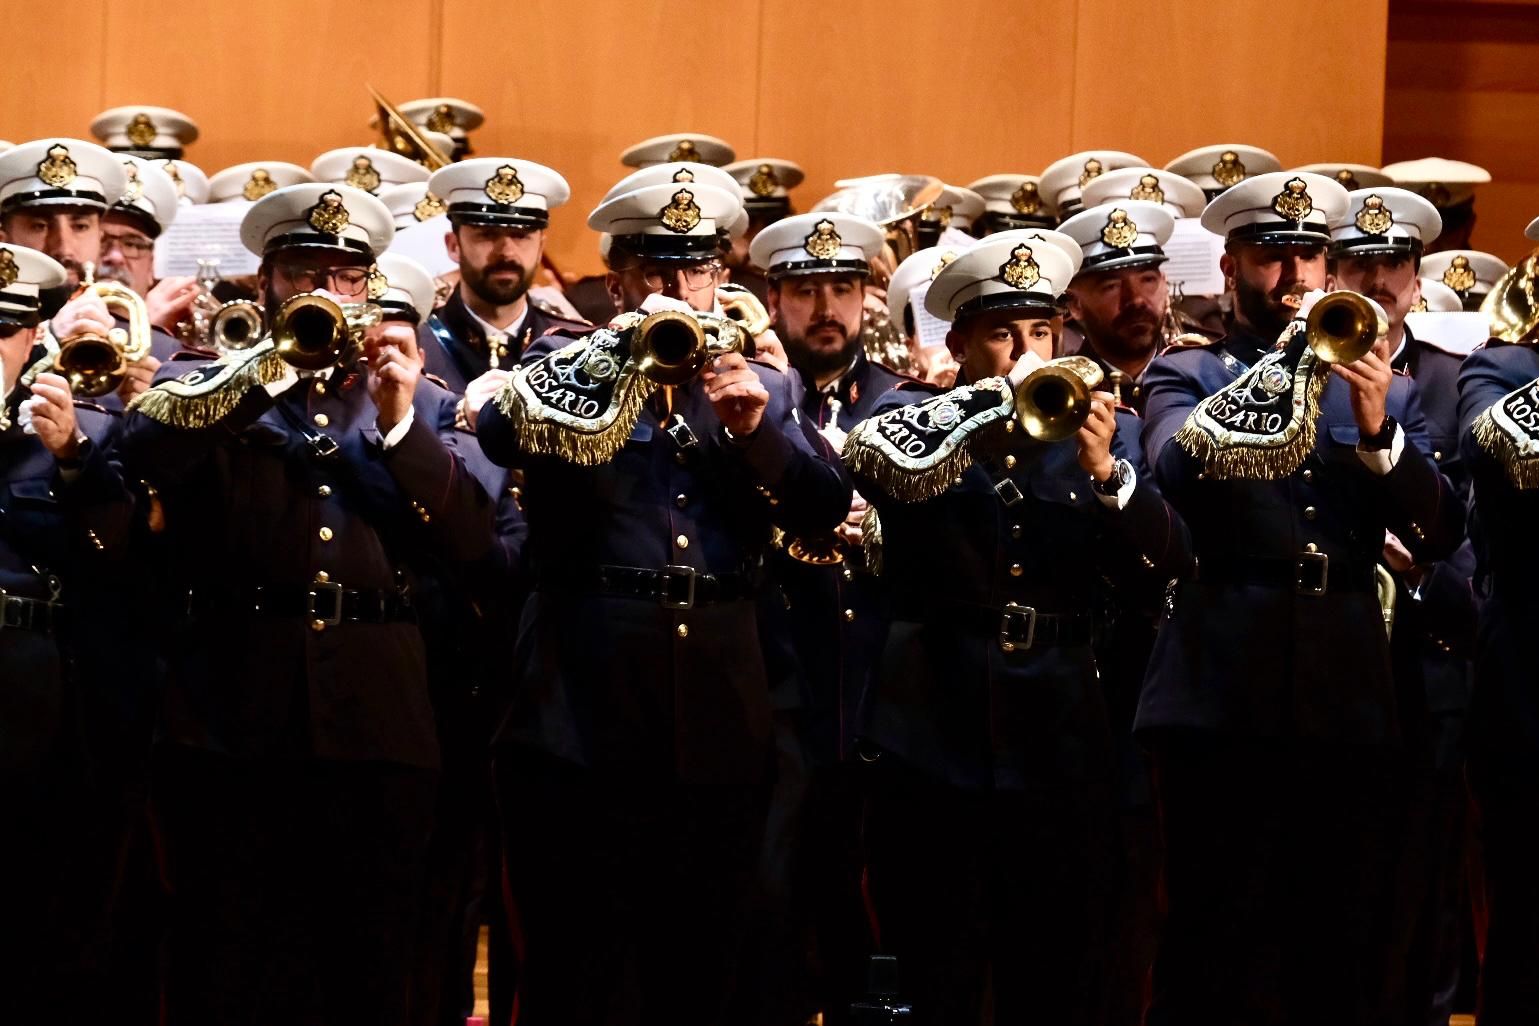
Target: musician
(368, 168)
(64, 524)
(1064, 180)
(955, 207)
(1469, 272)
(254, 179)
(129, 230)
(689, 147)
(1450, 186)
(1283, 727)
(190, 181)
(297, 764)
(1011, 201)
(1222, 166)
(148, 133)
(638, 746)
(766, 185)
(449, 116)
(1351, 176)
(985, 735)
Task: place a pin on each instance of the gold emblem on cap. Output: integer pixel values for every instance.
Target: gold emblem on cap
(441, 120)
(135, 188)
(938, 213)
(1293, 203)
(1092, 170)
(141, 130)
(9, 272)
(764, 181)
(329, 216)
(1025, 199)
(683, 174)
(429, 206)
(258, 185)
(940, 264)
(362, 174)
(504, 187)
(1148, 188)
(1420, 306)
(58, 168)
(823, 242)
(176, 179)
(1120, 230)
(1460, 276)
(1346, 179)
(1229, 171)
(1020, 271)
(681, 214)
(685, 150)
(1375, 218)
(378, 283)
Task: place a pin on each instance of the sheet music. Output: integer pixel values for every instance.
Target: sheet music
(208, 231)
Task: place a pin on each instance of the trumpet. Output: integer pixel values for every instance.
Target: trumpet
(671, 347)
(312, 332)
(1343, 326)
(1053, 401)
(744, 307)
(236, 325)
(95, 364)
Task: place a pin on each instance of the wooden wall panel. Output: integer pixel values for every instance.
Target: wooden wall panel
(53, 69)
(1461, 83)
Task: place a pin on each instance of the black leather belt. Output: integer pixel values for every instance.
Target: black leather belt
(673, 587)
(40, 616)
(1309, 573)
(1018, 628)
(323, 605)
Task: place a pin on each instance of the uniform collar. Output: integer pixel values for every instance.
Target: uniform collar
(488, 330)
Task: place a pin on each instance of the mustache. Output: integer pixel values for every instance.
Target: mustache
(499, 268)
(1133, 315)
(832, 325)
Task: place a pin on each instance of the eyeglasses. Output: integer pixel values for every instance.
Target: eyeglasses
(346, 281)
(131, 245)
(696, 276)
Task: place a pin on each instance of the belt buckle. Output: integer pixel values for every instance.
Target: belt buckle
(672, 573)
(1303, 566)
(335, 616)
(1009, 640)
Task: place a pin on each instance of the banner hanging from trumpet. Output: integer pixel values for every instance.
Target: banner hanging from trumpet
(1509, 431)
(915, 452)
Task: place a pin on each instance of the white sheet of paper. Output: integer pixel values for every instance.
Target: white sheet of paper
(424, 243)
(932, 330)
(208, 231)
(1194, 253)
(1458, 332)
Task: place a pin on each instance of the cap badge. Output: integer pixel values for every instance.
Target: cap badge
(141, 130)
(429, 206)
(176, 179)
(682, 214)
(1347, 179)
(1375, 218)
(378, 283)
(683, 174)
(764, 181)
(939, 214)
(1148, 188)
(1420, 306)
(504, 187)
(441, 120)
(1120, 231)
(823, 242)
(1229, 171)
(1460, 276)
(1020, 271)
(362, 175)
(1293, 203)
(685, 150)
(9, 272)
(1092, 170)
(1025, 199)
(329, 216)
(940, 264)
(57, 169)
(258, 185)
(135, 188)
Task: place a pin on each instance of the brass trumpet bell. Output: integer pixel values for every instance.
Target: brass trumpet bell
(95, 364)
(236, 325)
(1511, 308)
(1053, 402)
(312, 332)
(671, 347)
(1343, 326)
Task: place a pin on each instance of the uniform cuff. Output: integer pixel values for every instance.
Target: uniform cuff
(1382, 461)
(1123, 495)
(399, 431)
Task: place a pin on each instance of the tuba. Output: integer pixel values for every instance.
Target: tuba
(671, 347)
(96, 364)
(1343, 326)
(312, 332)
(1511, 307)
(1053, 401)
(398, 134)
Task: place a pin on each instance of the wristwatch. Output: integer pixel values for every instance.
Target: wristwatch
(1122, 473)
(1383, 438)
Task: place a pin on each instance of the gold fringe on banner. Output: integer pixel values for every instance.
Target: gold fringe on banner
(203, 397)
(1226, 456)
(871, 541)
(1514, 449)
(927, 446)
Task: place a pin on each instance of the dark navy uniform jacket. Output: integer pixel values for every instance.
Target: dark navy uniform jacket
(1258, 658)
(249, 502)
(947, 697)
(454, 346)
(623, 684)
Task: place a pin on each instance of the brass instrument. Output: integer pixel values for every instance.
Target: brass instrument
(312, 332)
(1511, 308)
(830, 549)
(399, 135)
(96, 364)
(743, 307)
(671, 347)
(236, 325)
(1053, 401)
(1343, 326)
(195, 330)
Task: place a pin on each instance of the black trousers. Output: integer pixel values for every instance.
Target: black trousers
(997, 891)
(1509, 833)
(628, 890)
(1280, 876)
(293, 887)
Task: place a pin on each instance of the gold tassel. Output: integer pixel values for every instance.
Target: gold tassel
(541, 437)
(205, 396)
(905, 485)
(871, 541)
(1249, 463)
(1522, 469)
